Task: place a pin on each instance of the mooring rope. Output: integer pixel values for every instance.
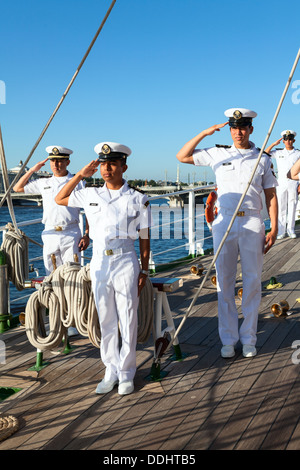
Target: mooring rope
(8, 425)
(15, 246)
(41, 299)
(67, 294)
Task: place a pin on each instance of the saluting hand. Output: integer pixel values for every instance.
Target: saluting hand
(216, 128)
(90, 169)
(38, 165)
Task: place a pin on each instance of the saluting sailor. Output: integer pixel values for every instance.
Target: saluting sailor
(61, 235)
(287, 191)
(118, 215)
(233, 167)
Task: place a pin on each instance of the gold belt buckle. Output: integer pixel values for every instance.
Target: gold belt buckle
(108, 252)
(240, 213)
(58, 228)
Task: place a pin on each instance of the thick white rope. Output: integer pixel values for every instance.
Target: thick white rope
(43, 298)
(68, 295)
(15, 246)
(59, 103)
(188, 312)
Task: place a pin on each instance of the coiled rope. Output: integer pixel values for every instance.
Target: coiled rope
(68, 296)
(8, 426)
(15, 246)
(44, 298)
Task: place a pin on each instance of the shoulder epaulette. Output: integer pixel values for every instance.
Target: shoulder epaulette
(136, 189)
(269, 155)
(223, 146)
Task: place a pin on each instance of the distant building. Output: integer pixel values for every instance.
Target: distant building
(14, 171)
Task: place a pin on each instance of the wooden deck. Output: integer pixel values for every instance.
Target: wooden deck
(204, 401)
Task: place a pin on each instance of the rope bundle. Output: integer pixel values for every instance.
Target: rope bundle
(68, 296)
(43, 298)
(86, 315)
(8, 426)
(15, 246)
(72, 285)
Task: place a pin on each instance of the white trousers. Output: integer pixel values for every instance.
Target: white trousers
(62, 244)
(246, 238)
(115, 287)
(287, 202)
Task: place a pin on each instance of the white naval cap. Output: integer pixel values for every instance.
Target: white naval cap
(289, 134)
(240, 117)
(56, 151)
(111, 151)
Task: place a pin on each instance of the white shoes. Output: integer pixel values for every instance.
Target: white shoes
(291, 234)
(126, 387)
(227, 351)
(105, 386)
(249, 350)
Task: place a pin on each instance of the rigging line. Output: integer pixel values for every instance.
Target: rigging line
(239, 204)
(60, 102)
(6, 183)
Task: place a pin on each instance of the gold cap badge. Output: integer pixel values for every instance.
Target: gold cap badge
(106, 149)
(55, 151)
(237, 114)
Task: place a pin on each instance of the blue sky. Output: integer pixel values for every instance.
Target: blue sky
(160, 72)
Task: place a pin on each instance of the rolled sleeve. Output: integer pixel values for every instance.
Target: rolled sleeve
(269, 178)
(204, 157)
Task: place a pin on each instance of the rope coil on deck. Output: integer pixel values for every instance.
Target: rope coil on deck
(35, 325)
(68, 296)
(8, 426)
(15, 246)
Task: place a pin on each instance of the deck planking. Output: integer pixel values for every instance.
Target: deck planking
(204, 402)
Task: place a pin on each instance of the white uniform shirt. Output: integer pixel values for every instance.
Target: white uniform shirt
(233, 168)
(114, 217)
(53, 214)
(285, 159)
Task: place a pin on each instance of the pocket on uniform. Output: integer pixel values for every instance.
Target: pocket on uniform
(225, 171)
(94, 209)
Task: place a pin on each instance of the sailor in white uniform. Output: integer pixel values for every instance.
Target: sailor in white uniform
(287, 191)
(61, 235)
(233, 166)
(118, 215)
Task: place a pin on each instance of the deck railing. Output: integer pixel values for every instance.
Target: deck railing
(189, 217)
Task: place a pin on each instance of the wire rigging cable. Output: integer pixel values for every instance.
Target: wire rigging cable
(60, 102)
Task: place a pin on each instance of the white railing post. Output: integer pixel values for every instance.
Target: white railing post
(192, 229)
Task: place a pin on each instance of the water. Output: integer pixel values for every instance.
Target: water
(169, 231)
